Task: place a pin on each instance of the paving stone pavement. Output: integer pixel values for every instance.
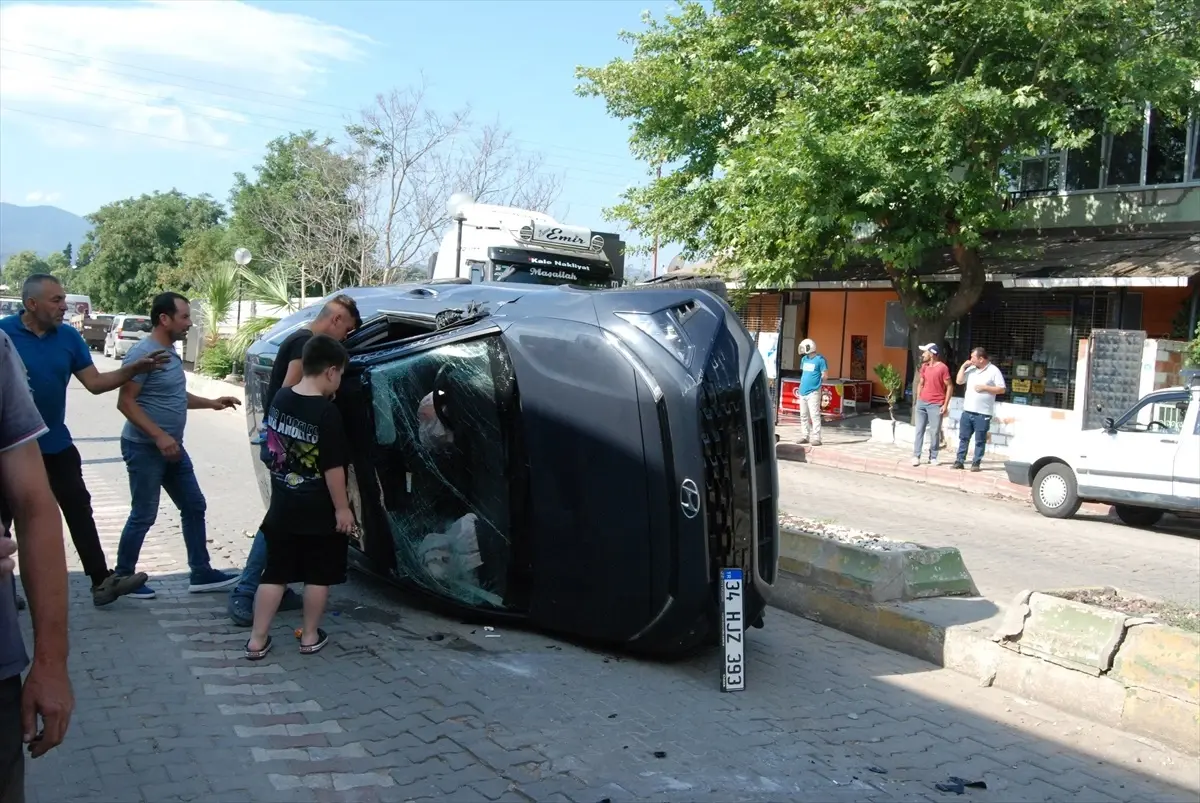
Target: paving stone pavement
(408, 705)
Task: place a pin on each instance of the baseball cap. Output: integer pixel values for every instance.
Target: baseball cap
(930, 347)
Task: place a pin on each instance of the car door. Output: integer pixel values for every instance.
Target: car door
(1186, 477)
(1133, 461)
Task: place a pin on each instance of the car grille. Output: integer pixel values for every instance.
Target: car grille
(764, 478)
(725, 437)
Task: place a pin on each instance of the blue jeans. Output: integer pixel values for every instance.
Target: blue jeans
(256, 561)
(928, 413)
(970, 424)
(150, 473)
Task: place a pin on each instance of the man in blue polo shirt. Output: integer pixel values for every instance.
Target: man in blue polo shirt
(52, 354)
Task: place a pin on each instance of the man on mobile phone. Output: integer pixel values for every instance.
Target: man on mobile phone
(983, 382)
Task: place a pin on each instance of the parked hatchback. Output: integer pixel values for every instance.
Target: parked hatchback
(126, 330)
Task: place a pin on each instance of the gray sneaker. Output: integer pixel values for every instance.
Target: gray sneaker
(115, 586)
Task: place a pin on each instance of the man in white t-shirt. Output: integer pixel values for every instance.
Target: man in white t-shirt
(982, 383)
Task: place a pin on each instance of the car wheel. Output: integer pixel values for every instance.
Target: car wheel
(1055, 493)
(1136, 516)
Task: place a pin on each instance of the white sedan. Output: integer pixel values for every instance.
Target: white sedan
(1145, 462)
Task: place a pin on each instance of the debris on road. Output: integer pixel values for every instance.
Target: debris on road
(845, 535)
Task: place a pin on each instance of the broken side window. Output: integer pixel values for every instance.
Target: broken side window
(442, 430)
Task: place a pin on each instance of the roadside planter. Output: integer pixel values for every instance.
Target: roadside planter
(1147, 669)
(885, 430)
(869, 566)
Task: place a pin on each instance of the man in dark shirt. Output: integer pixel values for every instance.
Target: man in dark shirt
(52, 354)
(26, 492)
(337, 319)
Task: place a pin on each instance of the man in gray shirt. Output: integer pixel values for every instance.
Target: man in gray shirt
(155, 407)
(25, 492)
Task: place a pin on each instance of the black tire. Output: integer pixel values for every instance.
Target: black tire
(1136, 516)
(1055, 491)
(714, 286)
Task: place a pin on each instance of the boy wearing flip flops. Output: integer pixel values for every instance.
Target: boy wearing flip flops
(309, 519)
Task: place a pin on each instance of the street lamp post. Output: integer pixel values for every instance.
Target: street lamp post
(242, 257)
(455, 206)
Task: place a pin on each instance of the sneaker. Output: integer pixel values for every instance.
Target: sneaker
(816, 443)
(976, 467)
(916, 461)
(803, 441)
(933, 461)
(113, 586)
(142, 592)
(958, 465)
(207, 580)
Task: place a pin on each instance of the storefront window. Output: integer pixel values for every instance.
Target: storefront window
(1032, 336)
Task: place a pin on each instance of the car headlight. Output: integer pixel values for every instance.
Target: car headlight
(665, 327)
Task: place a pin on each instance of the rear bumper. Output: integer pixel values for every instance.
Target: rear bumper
(1018, 472)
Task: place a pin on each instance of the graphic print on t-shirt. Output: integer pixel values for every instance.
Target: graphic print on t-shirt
(293, 449)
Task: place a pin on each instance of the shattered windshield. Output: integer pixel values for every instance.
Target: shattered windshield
(441, 426)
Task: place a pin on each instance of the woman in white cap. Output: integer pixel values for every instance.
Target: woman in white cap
(813, 370)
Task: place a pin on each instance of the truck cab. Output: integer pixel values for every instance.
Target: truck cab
(488, 243)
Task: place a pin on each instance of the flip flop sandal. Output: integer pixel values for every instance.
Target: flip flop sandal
(258, 655)
(317, 646)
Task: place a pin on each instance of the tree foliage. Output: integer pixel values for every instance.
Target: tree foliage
(19, 267)
(805, 134)
(136, 241)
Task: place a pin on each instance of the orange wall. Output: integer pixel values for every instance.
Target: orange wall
(1160, 305)
(865, 311)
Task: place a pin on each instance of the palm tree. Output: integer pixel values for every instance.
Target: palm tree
(269, 289)
(218, 294)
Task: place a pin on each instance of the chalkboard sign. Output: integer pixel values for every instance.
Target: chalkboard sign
(895, 326)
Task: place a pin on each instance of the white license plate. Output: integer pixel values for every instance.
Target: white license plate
(733, 672)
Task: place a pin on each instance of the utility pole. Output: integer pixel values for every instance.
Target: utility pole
(658, 172)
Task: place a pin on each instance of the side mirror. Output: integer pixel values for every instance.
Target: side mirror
(1109, 425)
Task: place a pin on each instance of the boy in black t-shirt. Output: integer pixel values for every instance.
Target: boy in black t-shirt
(309, 519)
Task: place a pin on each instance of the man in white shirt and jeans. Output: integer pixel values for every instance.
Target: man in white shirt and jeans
(983, 383)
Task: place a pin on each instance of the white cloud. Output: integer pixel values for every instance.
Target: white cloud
(39, 197)
(142, 67)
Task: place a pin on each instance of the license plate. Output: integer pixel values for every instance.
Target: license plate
(733, 672)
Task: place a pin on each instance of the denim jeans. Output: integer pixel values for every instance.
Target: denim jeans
(970, 424)
(150, 473)
(928, 414)
(256, 561)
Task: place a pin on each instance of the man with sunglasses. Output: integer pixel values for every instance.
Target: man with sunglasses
(337, 319)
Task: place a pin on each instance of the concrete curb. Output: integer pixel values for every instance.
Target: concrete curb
(986, 482)
(925, 631)
(875, 574)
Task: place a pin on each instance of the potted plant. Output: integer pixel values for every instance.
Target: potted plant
(892, 383)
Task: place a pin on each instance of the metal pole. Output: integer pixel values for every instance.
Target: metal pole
(458, 256)
(1191, 332)
(659, 175)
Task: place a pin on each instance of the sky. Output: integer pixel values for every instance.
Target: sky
(103, 101)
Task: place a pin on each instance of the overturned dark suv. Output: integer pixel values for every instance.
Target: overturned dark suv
(588, 461)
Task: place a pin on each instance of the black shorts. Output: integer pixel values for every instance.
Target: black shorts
(318, 560)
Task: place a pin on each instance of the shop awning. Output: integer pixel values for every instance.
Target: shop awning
(1063, 259)
(1168, 260)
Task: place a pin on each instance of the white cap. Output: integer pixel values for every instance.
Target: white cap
(930, 347)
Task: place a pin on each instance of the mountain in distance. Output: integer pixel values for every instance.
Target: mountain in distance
(44, 229)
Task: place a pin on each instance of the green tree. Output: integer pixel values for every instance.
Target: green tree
(136, 241)
(801, 134)
(297, 215)
(59, 265)
(19, 267)
(69, 253)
